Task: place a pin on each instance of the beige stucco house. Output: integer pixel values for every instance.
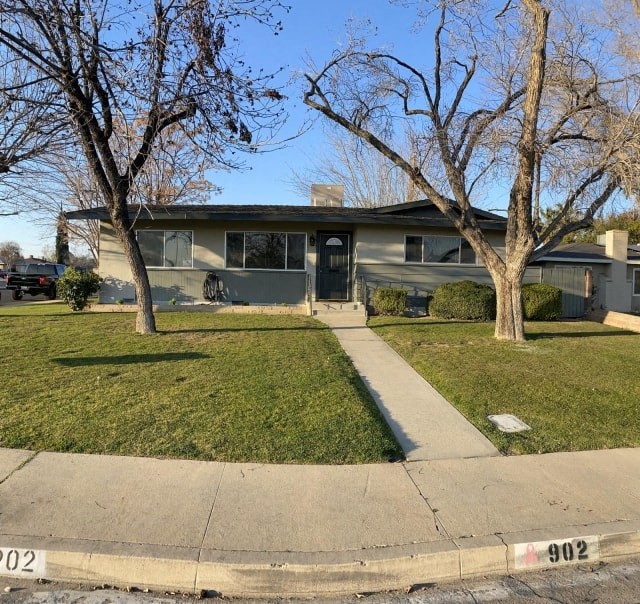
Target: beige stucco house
(269, 254)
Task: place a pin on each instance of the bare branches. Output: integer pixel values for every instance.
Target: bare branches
(517, 95)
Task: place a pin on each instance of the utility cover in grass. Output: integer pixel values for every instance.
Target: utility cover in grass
(508, 423)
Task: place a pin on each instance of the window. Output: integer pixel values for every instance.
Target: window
(636, 281)
(166, 249)
(266, 251)
(438, 249)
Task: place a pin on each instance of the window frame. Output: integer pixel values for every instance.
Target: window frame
(164, 247)
(635, 280)
(286, 249)
(431, 263)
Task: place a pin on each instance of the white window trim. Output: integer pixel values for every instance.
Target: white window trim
(423, 263)
(164, 244)
(636, 278)
(265, 270)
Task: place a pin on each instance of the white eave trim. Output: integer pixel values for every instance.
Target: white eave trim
(585, 260)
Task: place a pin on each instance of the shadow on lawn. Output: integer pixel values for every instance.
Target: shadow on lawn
(128, 359)
(576, 334)
(241, 328)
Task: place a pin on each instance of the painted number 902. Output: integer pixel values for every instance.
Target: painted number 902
(567, 552)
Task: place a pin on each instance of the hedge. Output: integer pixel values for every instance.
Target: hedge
(541, 302)
(465, 300)
(389, 301)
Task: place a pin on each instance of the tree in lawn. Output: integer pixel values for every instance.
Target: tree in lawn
(146, 66)
(520, 95)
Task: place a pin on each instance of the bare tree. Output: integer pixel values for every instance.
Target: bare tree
(369, 178)
(10, 252)
(149, 65)
(29, 124)
(527, 95)
(173, 174)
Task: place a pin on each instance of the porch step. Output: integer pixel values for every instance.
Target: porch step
(339, 308)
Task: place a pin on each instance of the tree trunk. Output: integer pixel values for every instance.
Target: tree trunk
(509, 313)
(145, 320)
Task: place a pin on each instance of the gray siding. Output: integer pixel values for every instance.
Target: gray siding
(256, 287)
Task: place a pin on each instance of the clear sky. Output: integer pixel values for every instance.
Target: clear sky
(312, 29)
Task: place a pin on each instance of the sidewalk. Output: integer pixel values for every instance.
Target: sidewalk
(455, 509)
(246, 529)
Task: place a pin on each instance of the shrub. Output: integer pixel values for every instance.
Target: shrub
(75, 287)
(389, 301)
(466, 300)
(541, 302)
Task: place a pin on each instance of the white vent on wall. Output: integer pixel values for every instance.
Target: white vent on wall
(330, 196)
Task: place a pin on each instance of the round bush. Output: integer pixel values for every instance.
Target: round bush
(466, 300)
(75, 287)
(389, 301)
(541, 302)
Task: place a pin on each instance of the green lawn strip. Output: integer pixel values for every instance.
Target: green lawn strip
(576, 384)
(208, 386)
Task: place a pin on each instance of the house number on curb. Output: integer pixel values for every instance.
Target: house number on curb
(556, 553)
(22, 562)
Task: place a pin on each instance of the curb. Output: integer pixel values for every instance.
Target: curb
(307, 574)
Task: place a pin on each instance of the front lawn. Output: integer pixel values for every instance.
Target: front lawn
(208, 386)
(577, 384)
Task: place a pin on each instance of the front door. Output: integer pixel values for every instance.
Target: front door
(334, 264)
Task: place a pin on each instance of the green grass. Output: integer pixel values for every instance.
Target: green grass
(208, 386)
(577, 384)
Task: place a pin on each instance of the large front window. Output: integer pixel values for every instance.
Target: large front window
(636, 281)
(438, 249)
(166, 249)
(267, 251)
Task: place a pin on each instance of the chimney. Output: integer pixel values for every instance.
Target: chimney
(616, 243)
(327, 196)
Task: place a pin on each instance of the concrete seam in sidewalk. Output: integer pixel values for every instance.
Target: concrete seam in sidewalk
(438, 523)
(206, 530)
(22, 465)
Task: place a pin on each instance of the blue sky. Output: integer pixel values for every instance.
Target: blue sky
(310, 29)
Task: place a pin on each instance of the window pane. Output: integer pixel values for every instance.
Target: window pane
(412, 249)
(442, 249)
(151, 245)
(467, 255)
(265, 250)
(295, 251)
(235, 250)
(177, 249)
(636, 282)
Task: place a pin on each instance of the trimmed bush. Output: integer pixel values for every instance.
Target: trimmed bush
(75, 288)
(541, 302)
(465, 300)
(389, 301)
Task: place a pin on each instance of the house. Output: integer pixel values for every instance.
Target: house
(608, 270)
(276, 254)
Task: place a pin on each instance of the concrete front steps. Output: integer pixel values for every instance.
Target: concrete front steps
(339, 309)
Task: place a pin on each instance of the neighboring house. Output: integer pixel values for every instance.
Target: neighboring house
(270, 254)
(609, 271)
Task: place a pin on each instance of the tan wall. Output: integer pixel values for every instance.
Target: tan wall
(385, 245)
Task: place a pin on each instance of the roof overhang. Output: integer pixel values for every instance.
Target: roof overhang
(294, 214)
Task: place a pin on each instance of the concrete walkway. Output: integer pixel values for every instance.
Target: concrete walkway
(425, 424)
